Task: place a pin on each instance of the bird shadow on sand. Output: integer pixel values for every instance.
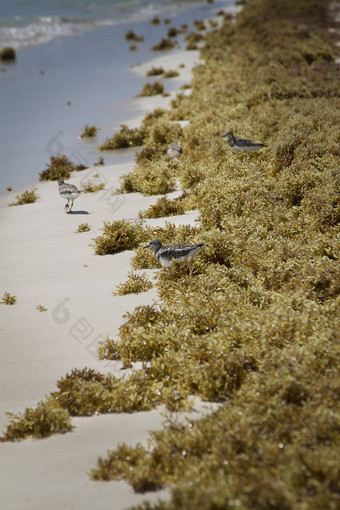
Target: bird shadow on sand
(78, 212)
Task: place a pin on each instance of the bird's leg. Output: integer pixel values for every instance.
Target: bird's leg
(66, 206)
(71, 205)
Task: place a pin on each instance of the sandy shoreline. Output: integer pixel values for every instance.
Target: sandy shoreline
(45, 262)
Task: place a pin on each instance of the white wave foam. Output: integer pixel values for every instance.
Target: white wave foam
(45, 29)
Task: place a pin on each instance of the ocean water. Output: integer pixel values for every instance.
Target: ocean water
(32, 22)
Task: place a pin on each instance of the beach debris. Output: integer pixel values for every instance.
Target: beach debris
(117, 236)
(41, 308)
(59, 167)
(242, 144)
(155, 71)
(8, 299)
(152, 89)
(68, 191)
(171, 74)
(155, 21)
(26, 197)
(89, 131)
(131, 36)
(83, 227)
(199, 24)
(125, 137)
(135, 284)
(164, 45)
(164, 207)
(7, 54)
(166, 254)
(173, 32)
(91, 187)
(99, 162)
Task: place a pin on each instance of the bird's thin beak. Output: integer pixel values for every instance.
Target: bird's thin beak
(147, 246)
(224, 134)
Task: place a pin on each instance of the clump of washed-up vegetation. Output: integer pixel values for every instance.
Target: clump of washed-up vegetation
(83, 227)
(165, 207)
(117, 236)
(152, 174)
(124, 138)
(8, 299)
(132, 36)
(89, 131)
(41, 308)
(150, 179)
(164, 45)
(26, 197)
(155, 71)
(199, 24)
(172, 73)
(59, 167)
(7, 54)
(152, 89)
(135, 284)
(43, 421)
(194, 37)
(252, 321)
(91, 186)
(155, 21)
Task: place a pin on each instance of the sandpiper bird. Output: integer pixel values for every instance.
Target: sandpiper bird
(68, 191)
(241, 144)
(165, 254)
(174, 150)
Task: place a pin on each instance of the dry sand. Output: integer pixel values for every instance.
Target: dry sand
(44, 262)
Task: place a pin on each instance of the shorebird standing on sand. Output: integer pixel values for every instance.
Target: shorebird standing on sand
(166, 254)
(174, 150)
(242, 144)
(68, 191)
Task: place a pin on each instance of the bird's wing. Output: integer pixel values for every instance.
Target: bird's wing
(68, 188)
(243, 142)
(176, 250)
